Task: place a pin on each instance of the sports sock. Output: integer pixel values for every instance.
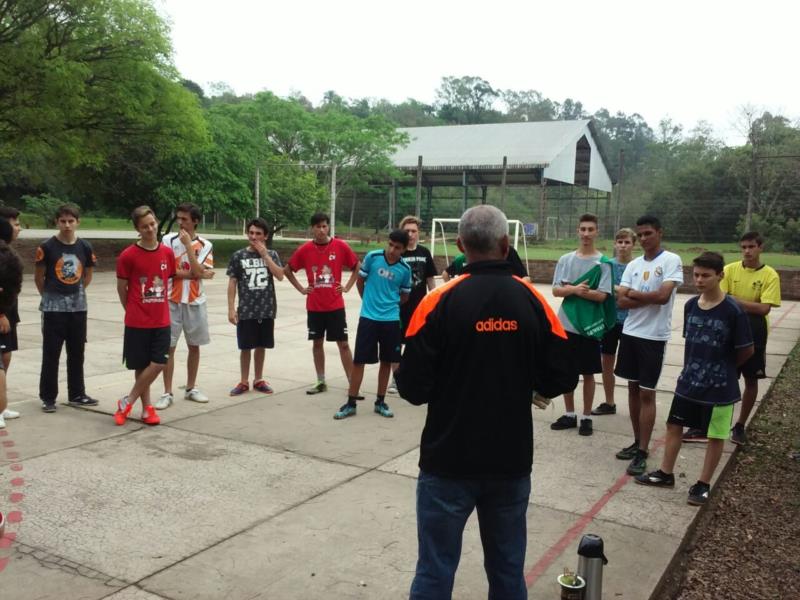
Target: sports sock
(570, 414)
(320, 377)
(351, 400)
(380, 399)
(641, 453)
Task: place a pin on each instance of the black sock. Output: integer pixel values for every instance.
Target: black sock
(379, 399)
(641, 453)
(351, 400)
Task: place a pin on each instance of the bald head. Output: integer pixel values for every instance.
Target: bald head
(483, 233)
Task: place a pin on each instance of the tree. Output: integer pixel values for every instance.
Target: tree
(528, 105)
(467, 100)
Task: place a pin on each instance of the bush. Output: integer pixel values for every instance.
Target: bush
(44, 206)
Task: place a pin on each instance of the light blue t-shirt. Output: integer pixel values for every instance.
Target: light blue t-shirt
(619, 269)
(382, 286)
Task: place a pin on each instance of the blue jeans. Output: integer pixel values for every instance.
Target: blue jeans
(443, 507)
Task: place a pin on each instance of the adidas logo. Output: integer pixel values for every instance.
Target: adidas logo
(491, 325)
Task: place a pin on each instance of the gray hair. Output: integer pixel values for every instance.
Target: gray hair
(482, 227)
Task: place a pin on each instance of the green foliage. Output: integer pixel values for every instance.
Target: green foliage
(43, 206)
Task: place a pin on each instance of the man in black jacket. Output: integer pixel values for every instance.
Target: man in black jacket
(479, 349)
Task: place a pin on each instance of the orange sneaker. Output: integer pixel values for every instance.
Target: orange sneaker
(122, 413)
(150, 416)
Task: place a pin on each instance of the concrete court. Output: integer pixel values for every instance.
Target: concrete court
(269, 497)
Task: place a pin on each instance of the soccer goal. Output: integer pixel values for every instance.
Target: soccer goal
(445, 231)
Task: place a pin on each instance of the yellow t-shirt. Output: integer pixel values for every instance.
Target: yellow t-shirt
(753, 285)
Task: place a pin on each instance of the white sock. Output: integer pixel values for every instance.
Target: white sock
(569, 414)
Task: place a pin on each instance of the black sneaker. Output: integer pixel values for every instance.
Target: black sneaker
(638, 464)
(586, 427)
(628, 452)
(656, 479)
(605, 409)
(698, 494)
(83, 401)
(738, 435)
(564, 422)
(48, 407)
(695, 435)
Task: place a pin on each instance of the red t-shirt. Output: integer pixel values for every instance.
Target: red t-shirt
(323, 264)
(147, 272)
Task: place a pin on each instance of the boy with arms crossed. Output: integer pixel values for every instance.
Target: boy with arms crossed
(251, 271)
(323, 259)
(64, 266)
(187, 303)
(143, 270)
(718, 341)
(647, 290)
(584, 350)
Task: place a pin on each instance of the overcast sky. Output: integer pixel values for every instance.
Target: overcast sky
(687, 60)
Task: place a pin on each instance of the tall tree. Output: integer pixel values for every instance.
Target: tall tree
(467, 99)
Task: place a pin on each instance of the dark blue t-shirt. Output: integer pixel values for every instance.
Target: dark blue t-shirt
(713, 337)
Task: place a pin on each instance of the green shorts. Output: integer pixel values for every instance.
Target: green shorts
(715, 420)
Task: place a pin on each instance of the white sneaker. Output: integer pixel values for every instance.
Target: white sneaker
(195, 395)
(165, 401)
(10, 414)
(2, 422)
(392, 389)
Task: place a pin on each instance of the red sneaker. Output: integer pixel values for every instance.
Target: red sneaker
(150, 416)
(122, 413)
(262, 386)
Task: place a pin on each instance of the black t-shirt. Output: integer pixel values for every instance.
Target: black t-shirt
(64, 264)
(422, 267)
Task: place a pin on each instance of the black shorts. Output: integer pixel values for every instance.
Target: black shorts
(610, 341)
(755, 366)
(374, 335)
(8, 341)
(585, 354)
(144, 346)
(255, 333)
(332, 325)
(713, 420)
(640, 360)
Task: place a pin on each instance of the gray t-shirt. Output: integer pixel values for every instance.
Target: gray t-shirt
(570, 267)
(255, 285)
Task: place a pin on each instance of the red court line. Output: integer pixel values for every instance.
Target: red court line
(783, 316)
(573, 532)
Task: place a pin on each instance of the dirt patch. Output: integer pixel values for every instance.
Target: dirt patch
(745, 541)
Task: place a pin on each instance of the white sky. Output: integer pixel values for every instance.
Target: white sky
(687, 60)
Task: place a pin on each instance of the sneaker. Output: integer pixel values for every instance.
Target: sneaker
(347, 410)
(49, 407)
(10, 414)
(122, 413)
(240, 389)
(383, 409)
(698, 494)
(262, 386)
(317, 388)
(605, 409)
(585, 427)
(738, 435)
(150, 416)
(392, 389)
(82, 401)
(2, 422)
(638, 464)
(695, 435)
(195, 395)
(656, 479)
(164, 401)
(564, 422)
(628, 452)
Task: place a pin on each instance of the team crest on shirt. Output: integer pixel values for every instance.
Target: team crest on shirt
(646, 275)
(659, 271)
(332, 256)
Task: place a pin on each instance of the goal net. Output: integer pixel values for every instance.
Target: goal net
(444, 233)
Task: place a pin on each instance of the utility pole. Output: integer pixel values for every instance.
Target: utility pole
(333, 199)
(258, 191)
(619, 187)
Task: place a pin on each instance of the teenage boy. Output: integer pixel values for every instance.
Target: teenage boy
(647, 290)
(9, 318)
(323, 259)
(64, 267)
(624, 241)
(251, 271)
(756, 288)
(423, 272)
(143, 270)
(384, 283)
(718, 341)
(187, 303)
(10, 283)
(584, 350)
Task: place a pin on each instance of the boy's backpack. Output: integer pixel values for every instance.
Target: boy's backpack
(592, 319)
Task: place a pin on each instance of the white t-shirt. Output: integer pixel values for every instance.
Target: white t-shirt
(653, 321)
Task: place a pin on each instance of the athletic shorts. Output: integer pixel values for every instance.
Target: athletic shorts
(255, 333)
(755, 366)
(714, 420)
(377, 340)
(192, 320)
(584, 353)
(144, 346)
(610, 341)
(640, 360)
(8, 341)
(332, 325)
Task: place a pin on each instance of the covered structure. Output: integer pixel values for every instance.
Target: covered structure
(504, 154)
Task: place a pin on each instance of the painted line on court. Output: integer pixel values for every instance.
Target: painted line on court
(784, 315)
(573, 532)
